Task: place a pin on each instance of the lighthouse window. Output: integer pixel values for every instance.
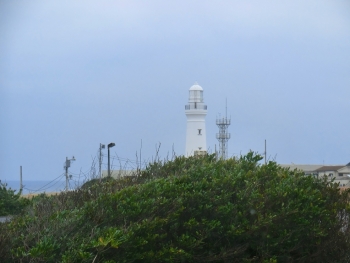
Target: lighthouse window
(199, 131)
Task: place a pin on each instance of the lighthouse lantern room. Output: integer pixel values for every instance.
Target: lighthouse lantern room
(196, 110)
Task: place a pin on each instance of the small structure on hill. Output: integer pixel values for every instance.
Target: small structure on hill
(340, 173)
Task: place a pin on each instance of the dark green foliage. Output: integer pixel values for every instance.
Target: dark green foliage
(10, 202)
(93, 182)
(188, 210)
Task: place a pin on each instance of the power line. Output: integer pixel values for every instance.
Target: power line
(42, 188)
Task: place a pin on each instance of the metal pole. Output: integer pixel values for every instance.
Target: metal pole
(109, 167)
(100, 161)
(20, 179)
(265, 151)
(140, 154)
(66, 174)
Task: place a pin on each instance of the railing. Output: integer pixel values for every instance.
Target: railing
(225, 136)
(195, 107)
(223, 121)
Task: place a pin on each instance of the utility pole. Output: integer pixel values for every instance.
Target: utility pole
(140, 154)
(102, 146)
(265, 151)
(67, 165)
(20, 179)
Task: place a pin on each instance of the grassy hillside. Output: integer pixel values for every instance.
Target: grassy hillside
(187, 210)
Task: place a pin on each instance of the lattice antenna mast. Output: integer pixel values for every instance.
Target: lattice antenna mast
(223, 136)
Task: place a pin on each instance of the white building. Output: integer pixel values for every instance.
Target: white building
(339, 173)
(196, 110)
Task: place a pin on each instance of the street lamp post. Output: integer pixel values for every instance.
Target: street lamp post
(102, 146)
(67, 165)
(112, 144)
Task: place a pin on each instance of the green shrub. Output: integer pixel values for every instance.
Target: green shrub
(96, 182)
(10, 202)
(189, 210)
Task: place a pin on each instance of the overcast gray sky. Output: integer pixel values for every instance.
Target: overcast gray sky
(74, 74)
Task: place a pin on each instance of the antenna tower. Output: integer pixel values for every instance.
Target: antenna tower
(223, 136)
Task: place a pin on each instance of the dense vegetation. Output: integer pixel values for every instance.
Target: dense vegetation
(10, 201)
(187, 210)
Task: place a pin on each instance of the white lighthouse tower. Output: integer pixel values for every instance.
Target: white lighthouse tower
(196, 110)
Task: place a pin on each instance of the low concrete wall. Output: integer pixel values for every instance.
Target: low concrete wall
(116, 174)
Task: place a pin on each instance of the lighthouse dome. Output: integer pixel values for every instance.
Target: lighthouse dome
(196, 87)
(196, 93)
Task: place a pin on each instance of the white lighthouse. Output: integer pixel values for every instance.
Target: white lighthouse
(196, 110)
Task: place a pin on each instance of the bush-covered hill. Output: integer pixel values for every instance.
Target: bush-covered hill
(187, 210)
